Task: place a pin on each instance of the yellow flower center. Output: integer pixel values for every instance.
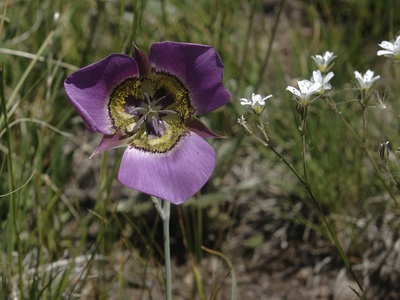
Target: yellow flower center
(151, 111)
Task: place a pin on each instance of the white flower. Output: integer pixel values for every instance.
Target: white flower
(256, 99)
(242, 120)
(323, 80)
(246, 128)
(366, 81)
(257, 102)
(322, 62)
(392, 49)
(307, 89)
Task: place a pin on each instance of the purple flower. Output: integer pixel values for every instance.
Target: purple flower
(149, 105)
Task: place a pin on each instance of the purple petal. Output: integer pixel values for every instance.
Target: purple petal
(200, 69)
(142, 61)
(89, 89)
(110, 142)
(173, 176)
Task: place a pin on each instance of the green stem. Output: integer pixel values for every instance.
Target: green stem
(314, 200)
(363, 146)
(164, 210)
(13, 213)
(245, 47)
(167, 254)
(303, 145)
(271, 40)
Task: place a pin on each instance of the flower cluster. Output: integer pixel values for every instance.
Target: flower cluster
(149, 104)
(310, 90)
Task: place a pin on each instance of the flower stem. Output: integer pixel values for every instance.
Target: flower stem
(304, 180)
(167, 254)
(164, 210)
(271, 40)
(362, 144)
(303, 145)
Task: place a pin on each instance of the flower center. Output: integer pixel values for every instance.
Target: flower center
(151, 111)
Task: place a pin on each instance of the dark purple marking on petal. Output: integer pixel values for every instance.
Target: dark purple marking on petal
(198, 67)
(89, 89)
(173, 176)
(195, 125)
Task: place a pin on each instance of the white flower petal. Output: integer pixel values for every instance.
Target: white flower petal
(385, 53)
(358, 75)
(314, 88)
(256, 98)
(397, 42)
(244, 101)
(294, 91)
(328, 76)
(386, 45)
(305, 85)
(368, 75)
(317, 76)
(265, 98)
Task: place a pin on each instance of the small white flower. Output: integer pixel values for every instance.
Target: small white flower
(56, 16)
(392, 49)
(257, 102)
(246, 128)
(366, 81)
(323, 80)
(256, 99)
(242, 120)
(322, 62)
(307, 89)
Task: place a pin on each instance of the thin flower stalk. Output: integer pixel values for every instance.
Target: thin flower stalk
(363, 146)
(164, 210)
(13, 212)
(271, 40)
(305, 182)
(303, 143)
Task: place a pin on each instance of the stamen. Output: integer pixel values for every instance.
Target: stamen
(139, 123)
(147, 98)
(160, 100)
(132, 110)
(154, 121)
(168, 111)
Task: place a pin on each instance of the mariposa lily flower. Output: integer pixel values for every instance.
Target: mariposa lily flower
(149, 105)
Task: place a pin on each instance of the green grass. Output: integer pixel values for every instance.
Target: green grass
(69, 229)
